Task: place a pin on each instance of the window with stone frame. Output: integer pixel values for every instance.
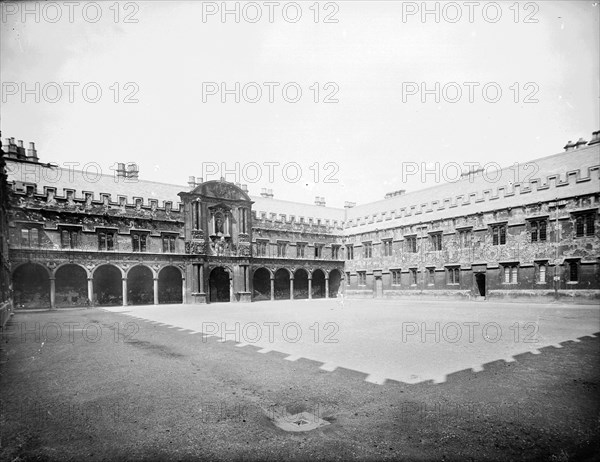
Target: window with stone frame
(300, 249)
(168, 243)
(30, 236)
(261, 248)
(139, 241)
(349, 252)
(281, 249)
(106, 240)
(541, 270)
(510, 273)
(367, 250)
(436, 241)
(410, 243)
(396, 277)
(538, 230)
(498, 234)
(453, 275)
(362, 278)
(69, 238)
(335, 252)
(387, 247)
(572, 267)
(413, 276)
(585, 224)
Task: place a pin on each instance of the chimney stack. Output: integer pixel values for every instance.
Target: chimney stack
(133, 171)
(192, 182)
(595, 138)
(32, 153)
(400, 192)
(268, 193)
(245, 188)
(580, 142)
(349, 205)
(320, 201)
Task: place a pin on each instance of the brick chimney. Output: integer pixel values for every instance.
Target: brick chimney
(32, 153)
(320, 201)
(595, 138)
(580, 143)
(268, 193)
(349, 205)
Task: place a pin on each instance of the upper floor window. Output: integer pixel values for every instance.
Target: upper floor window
(168, 243)
(261, 248)
(387, 248)
(453, 275)
(106, 240)
(319, 250)
(30, 237)
(464, 238)
(335, 252)
(538, 230)
(585, 224)
(498, 234)
(436, 241)
(139, 242)
(300, 248)
(395, 277)
(367, 249)
(349, 252)
(281, 249)
(69, 238)
(411, 244)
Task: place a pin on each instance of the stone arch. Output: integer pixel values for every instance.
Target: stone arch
(318, 283)
(71, 286)
(301, 283)
(261, 284)
(282, 284)
(170, 281)
(31, 285)
(219, 284)
(335, 282)
(140, 285)
(108, 285)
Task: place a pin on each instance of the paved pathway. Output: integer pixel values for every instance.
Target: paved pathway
(407, 341)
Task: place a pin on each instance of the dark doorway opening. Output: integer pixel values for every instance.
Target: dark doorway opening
(300, 284)
(335, 278)
(31, 285)
(480, 284)
(71, 286)
(219, 285)
(140, 286)
(282, 284)
(108, 286)
(169, 285)
(318, 284)
(261, 284)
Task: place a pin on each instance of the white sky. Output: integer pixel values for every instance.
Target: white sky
(368, 53)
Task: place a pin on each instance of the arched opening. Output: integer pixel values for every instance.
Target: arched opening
(318, 284)
(140, 290)
(282, 284)
(335, 279)
(31, 286)
(300, 284)
(261, 284)
(71, 286)
(108, 286)
(480, 284)
(169, 285)
(219, 285)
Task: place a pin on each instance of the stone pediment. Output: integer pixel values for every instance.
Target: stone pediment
(221, 190)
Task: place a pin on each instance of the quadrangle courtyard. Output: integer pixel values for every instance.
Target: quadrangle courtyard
(397, 380)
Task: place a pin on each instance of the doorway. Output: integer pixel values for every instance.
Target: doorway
(219, 285)
(480, 284)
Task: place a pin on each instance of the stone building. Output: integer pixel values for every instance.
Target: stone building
(80, 237)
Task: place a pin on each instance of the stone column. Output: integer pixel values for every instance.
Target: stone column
(155, 291)
(326, 286)
(52, 293)
(310, 287)
(291, 288)
(201, 278)
(124, 291)
(91, 290)
(272, 288)
(231, 293)
(183, 290)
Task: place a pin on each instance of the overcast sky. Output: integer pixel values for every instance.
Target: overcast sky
(373, 52)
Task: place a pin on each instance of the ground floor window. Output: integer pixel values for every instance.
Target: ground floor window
(541, 270)
(453, 275)
(362, 278)
(510, 274)
(396, 277)
(413, 276)
(572, 270)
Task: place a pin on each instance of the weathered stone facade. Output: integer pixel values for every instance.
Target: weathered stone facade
(517, 234)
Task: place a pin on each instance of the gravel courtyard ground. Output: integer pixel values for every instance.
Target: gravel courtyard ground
(394, 380)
